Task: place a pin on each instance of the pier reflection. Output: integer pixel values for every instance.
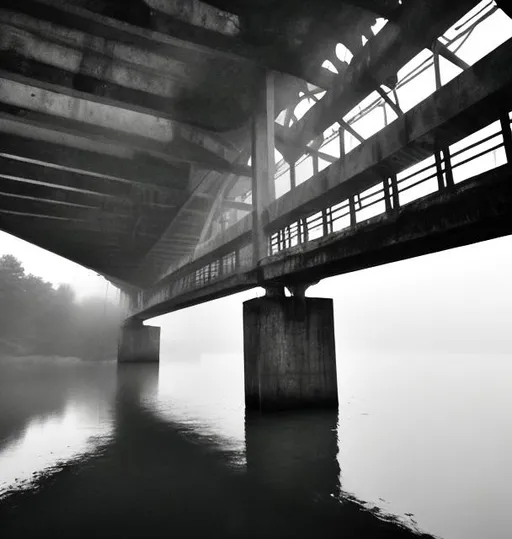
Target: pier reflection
(295, 453)
(161, 475)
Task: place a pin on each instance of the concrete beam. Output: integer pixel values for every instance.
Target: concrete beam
(179, 42)
(85, 115)
(32, 190)
(75, 253)
(57, 208)
(188, 105)
(87, 184)
(118, 169)
(172, 298)
(419, 23)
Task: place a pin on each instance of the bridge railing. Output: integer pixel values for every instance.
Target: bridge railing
(483, 150)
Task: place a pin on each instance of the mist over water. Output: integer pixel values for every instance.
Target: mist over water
(422, 438)
(168, 447)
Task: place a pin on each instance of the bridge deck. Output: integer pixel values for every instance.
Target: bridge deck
(137, 138)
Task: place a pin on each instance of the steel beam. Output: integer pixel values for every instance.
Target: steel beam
(457, 109)
(419, 23)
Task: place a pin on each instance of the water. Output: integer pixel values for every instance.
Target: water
(93, 449)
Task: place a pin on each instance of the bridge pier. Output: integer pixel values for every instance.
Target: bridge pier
(138, 343)
(289, 352)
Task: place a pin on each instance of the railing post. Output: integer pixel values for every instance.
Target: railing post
(387, 195)
(507, 135)
(263, 164)
(352, 209)
(439, 170)
(304, 230)
(394, 192)
(448, 168)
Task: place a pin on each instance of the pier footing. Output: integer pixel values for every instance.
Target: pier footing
(138, 343)
(289, 353)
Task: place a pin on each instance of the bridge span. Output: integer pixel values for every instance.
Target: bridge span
(188, 151)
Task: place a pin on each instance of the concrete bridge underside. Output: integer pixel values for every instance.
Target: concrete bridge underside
(150, 141)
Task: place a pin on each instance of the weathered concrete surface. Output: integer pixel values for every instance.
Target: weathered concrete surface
(289, 353)
(138, 343)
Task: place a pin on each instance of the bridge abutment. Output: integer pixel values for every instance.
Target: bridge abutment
(138, 343)
(289, 353)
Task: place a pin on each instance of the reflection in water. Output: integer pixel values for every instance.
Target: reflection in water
(154, 475)
(295, 453)
(53, 411)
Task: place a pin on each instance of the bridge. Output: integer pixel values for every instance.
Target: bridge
(191, 150)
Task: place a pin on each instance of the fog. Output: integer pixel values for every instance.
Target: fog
(456, 301)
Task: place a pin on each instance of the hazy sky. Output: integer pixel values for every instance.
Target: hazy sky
(452, 301)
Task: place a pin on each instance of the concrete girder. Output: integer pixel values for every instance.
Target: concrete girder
(181, 41)
(69, 228)
(90, 57)
(30, 93)
(87, 184)
(199, 13)
(130, 171)
(127, 87)
(79, 255)
(69, 210)
(68, 47)
(85, 249)
(115, 205)
(419, 23)
(90, 117)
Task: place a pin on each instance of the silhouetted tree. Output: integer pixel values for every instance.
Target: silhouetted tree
(36, 318)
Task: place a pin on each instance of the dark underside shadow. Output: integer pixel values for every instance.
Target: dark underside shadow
(159, 479)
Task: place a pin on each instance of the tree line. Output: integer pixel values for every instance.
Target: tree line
(38, 319)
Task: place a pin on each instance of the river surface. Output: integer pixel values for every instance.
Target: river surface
(101, 450)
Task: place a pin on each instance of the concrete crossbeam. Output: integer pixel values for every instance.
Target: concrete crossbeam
(87, 184)
(176, 39)
(33, 190)
(119, 170)
(82, 117)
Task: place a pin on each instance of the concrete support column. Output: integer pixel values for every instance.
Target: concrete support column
(289, 353)
(138, 342)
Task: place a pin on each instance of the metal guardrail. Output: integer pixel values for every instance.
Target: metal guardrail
(443, 167)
